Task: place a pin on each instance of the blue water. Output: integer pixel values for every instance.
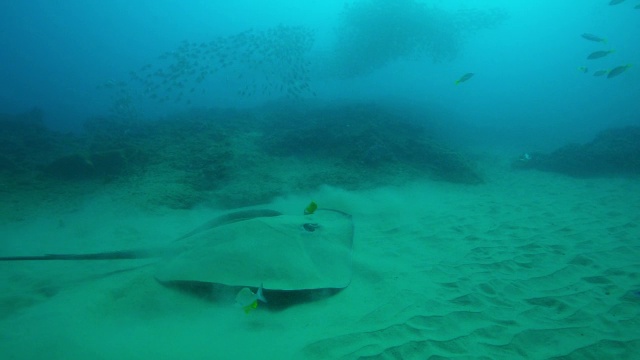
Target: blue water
(55, 55)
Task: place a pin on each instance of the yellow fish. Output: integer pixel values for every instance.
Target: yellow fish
(599, 54)
(311, 208)
(248, 300)
(464, 78)
(617, 70)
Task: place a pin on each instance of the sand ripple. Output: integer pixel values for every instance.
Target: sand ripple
(540, 280)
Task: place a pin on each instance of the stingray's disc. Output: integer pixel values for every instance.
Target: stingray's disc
(287, 252)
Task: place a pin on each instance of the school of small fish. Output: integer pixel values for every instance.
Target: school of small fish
(266, 62)
(269, 63)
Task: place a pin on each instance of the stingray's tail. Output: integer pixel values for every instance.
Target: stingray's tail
(111, 255)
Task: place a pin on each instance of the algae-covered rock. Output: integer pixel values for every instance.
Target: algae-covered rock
(79, 166)
(71, 167)
(240, 157)
(7, 165)
(612, 152)
(109, 163)
(367, 139)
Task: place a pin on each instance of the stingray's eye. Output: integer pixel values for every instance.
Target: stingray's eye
(310, 227)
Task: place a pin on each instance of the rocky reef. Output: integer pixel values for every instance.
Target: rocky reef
(232, 157)
(368, 139)
(613, 152)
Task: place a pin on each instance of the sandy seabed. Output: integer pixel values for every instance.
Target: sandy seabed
(528, 265)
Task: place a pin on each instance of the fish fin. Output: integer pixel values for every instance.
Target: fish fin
(248, 308)
(260, 295)
(457, 82)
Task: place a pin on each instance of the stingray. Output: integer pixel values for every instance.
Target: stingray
(248, 248)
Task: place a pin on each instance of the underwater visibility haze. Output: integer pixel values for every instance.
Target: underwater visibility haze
(524, 54)
(397, 179)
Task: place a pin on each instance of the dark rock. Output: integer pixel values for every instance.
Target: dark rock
(613, 152)
(7, 165)
(71, 167)
(109, 163)
(100, 165)
(367, 139)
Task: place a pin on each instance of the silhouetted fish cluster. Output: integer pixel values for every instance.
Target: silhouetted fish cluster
(374, 33)
(608, 73)
(271, 62)
(599, 54)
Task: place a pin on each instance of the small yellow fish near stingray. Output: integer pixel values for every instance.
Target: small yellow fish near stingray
(464, 78)
(311, 208)
(248, 300)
